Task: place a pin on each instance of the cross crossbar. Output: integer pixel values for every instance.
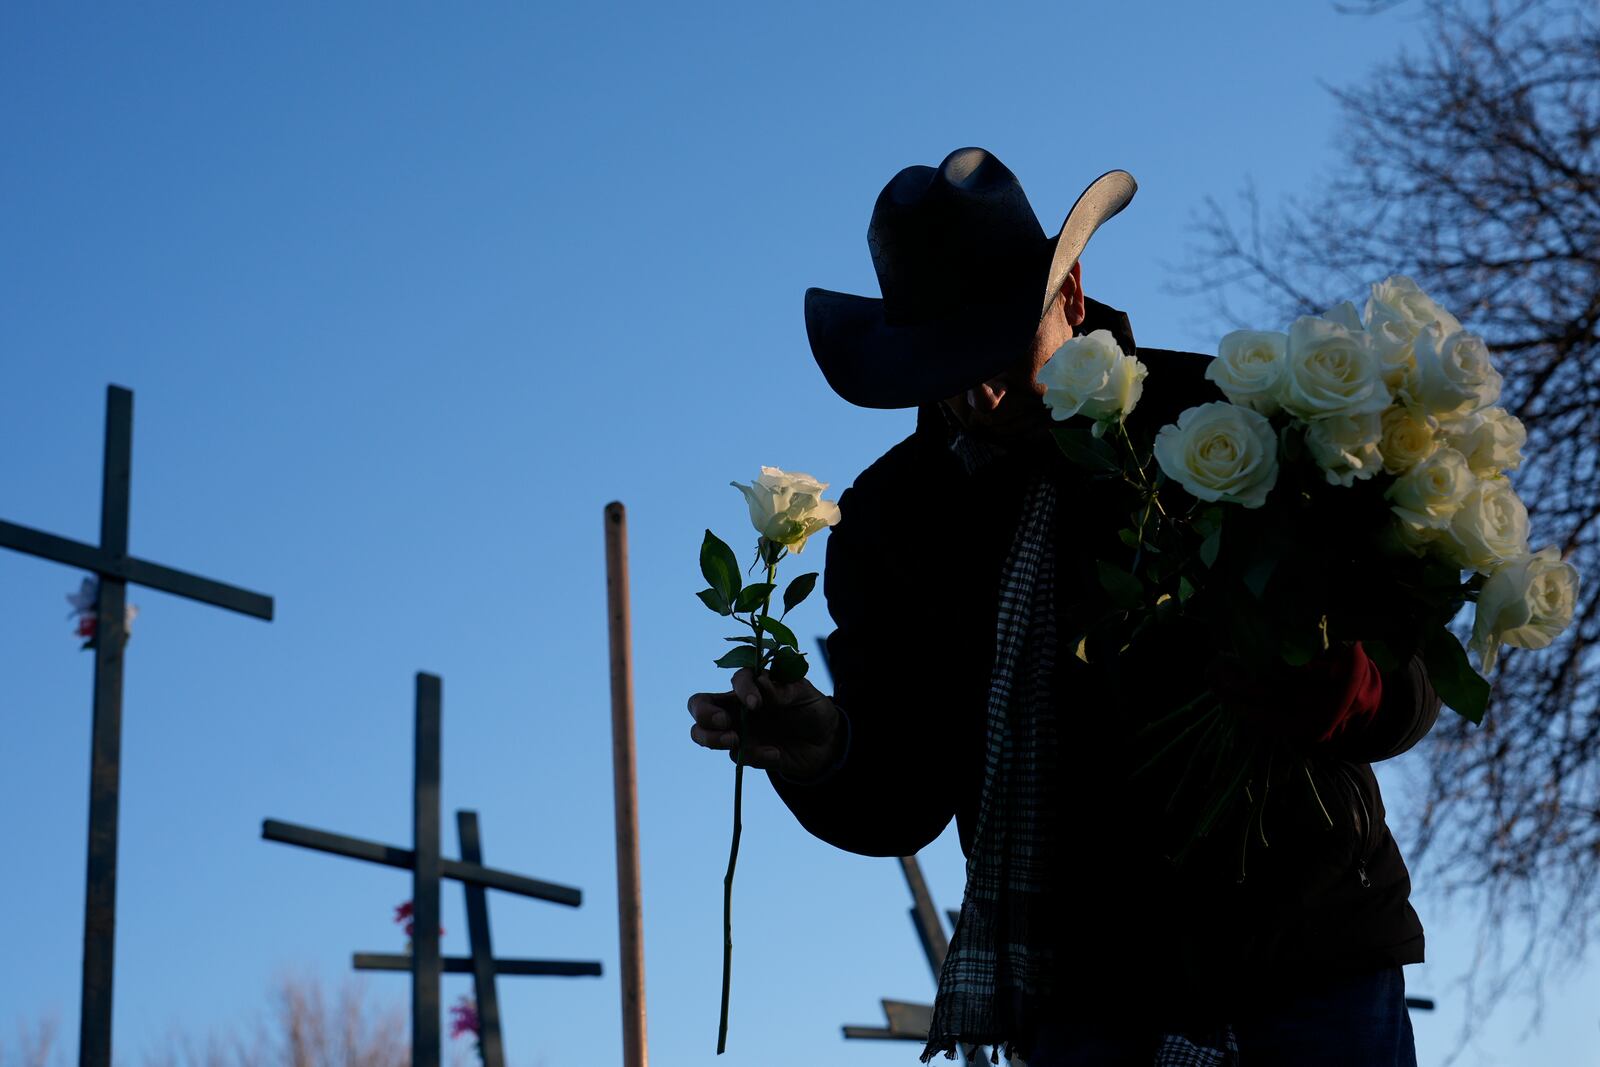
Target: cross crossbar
(393, 856)
(133, 570)
(389, 961)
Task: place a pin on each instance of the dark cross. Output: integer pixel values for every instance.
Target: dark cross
(909, 1021)
(110, 561)
(427, 867)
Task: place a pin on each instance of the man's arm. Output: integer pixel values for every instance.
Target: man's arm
(1405, 713)
(902, 663)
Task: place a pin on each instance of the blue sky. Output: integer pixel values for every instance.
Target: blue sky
(406, 295)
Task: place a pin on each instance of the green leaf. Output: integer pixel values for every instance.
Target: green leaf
(1086, 450)
(752, 597)
(772, 626)
(1458, 685)
(713, 600)
(767, 643)
(798, 590)
(720, 567)
(1185, 590)
(1209, 520)
(1381, 654)
(1299, 646)
(789, 666)
(1128, 537)
(743, 656)
(1259, 573)
(1126, 590)
(1210, 547)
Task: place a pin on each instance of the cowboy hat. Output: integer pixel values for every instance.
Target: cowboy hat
(967, 274)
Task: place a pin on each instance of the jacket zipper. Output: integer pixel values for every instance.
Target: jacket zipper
(1365, 827)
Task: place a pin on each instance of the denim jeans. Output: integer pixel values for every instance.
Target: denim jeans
(1354, 1022)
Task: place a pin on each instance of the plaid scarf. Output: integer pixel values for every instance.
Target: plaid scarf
(996, 984)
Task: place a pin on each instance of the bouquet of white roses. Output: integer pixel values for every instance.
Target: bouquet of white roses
(1352, 487)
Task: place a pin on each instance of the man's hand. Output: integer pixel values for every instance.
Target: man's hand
(1338, 690)
(791, 727)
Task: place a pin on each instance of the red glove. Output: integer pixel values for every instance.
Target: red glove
(1342, 689)
(1339, 690)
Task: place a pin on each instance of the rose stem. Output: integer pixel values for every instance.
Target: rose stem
(738, 826)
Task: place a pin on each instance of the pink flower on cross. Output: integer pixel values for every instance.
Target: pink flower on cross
(464, 1018)
(403, 913)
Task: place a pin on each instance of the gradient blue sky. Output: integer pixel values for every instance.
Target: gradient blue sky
(407, 294)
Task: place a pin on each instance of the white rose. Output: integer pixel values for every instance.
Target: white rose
(1525, 603)
(1397, 311)
(1220, 451)
(1491, 439)
(1427, 496)
(1399, 365)
(1489, 528)
(1454, 374)
(1409, 437)
(1331, 370)
(1090, 375)
(1249, 368)
(1346, 446)
(788, 508)
(1346, 315)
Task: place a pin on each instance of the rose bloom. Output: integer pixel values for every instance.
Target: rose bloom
(1525, 603)
(1427, 496)
(1249, 368)
(787, 508)
(1090, 375)
(1221, 451)
(1454, 374)
(1398, 310)
(1409, 437)
(1491, 439)
(1489, 528)
(1398, 365)
(1346, 447)
(1331, 370)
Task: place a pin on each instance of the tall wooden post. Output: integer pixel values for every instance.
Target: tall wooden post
(626, 788)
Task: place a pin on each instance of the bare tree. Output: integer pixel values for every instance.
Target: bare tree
(36, 1045)
(1474, 167)
(304, 1027)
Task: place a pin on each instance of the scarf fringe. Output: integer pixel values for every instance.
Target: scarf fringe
(950, 1044)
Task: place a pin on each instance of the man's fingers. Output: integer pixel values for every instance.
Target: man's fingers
(746, 688)
(761, 757)
(714, 710)
(713, 738)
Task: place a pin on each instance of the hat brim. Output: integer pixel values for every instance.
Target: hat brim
(873, 364)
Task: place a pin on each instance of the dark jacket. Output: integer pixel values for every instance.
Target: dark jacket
(911, 578)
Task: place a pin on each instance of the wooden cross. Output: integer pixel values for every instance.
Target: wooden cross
(109, 560)
(427, 867)
(908, 1021)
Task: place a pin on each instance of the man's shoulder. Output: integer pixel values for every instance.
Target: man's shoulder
(1177, 381)
(921, 454)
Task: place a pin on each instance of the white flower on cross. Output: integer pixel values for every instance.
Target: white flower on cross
(85, 607)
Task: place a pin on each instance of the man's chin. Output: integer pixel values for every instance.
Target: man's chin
(1012, 432)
